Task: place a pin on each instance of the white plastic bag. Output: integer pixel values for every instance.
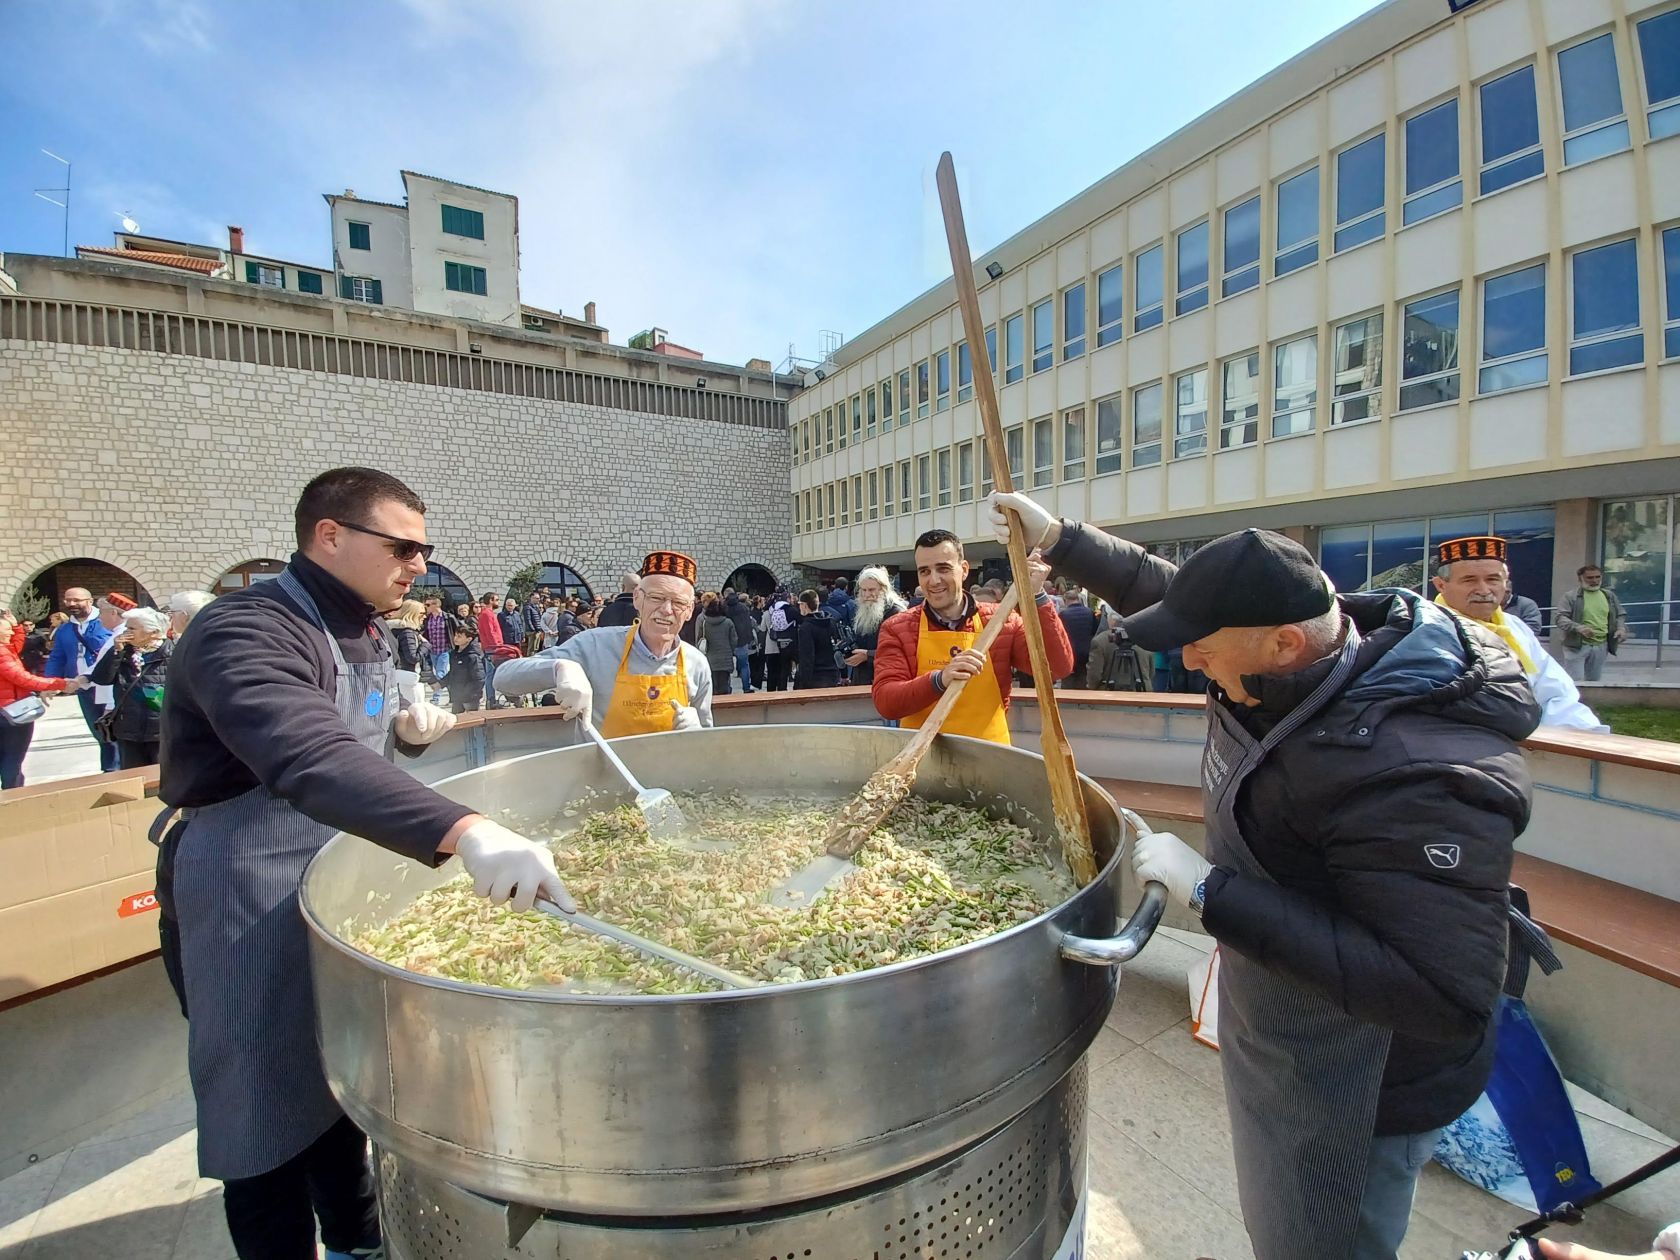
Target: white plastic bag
(1204, 1000)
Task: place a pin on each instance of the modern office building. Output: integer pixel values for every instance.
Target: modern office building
(1422, 280)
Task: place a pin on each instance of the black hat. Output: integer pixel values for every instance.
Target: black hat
(1253, 578)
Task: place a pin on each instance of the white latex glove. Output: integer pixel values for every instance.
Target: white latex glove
(1038, 571)
(505, 866)
(422, 722)
(1162, 858)
(687, 719)
(572, 691)
(1036, 523)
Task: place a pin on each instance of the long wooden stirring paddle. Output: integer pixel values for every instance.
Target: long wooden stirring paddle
(1072, 824)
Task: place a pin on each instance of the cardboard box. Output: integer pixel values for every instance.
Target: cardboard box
(60, 938)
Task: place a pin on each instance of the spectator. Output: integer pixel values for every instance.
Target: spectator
(1593, 623)
(841, 603)
(135, 669)
(1523, 609)
(183, 607)
(1081, 624)
(817, 636)
(533, 610)
(489, 639)
(438, 628)
(738, 612)
(781, 628)
(1116, 664)
(466, 674)
(406, 625)
(37, 642)
(622, 610)
(876, 602)
(559, 624)
(718, 639)
(464, 614)
(75, 647)
(17, 683)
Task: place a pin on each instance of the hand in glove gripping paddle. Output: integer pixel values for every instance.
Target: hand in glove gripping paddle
(572, 691)
(1038, 527)
(505, 866)
(685, 717)
(422, 722)
(1162, 858)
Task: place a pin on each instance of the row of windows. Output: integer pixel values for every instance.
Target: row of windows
(457, 277)
(1281, 388)
(456, 221)
(1595, 125)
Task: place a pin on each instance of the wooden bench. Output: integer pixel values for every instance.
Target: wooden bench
(1626, 926)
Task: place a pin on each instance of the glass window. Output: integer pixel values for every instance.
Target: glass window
(886, 406)
(1294, 386)
(1356, 370)
(1510, 131)
(965, 473)
(1297, 223)
(1659, 52)
(1073, 444)
(1043, 335)
(459, 222)
(840, 415)
(1148, 300)
(869, 413)
(1014, 349)
(1190, 408)
(845, 502)
(1635, 536)
(965, 373)
(1359, 193)
(1108, 435)
(942, 467)
(904, 487)
(1239, 423)
(464, 278)
(986, 466)
(1192, 269)
(874, 494)
(1432, 179)
(922, 390)
(1513, 330)
(904, 398)
(1344, 553)
(1529, 535)
(309, 282)
(1397, 551)
(1429, 351)
(942, 379)
(261, 273)
(857, 499)
(1012, 444)
(1671, 291)
(1146, 425)
(924, 482)
(361, 236)
(1073, 322)
(828, 422)
(1604, 327)
(832, 521)
(1594, 123)
(1242, 248)
(1111, 316)
(991, 349)
(1044, 451)
(887, 496)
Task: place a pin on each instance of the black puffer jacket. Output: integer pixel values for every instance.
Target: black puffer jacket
(1386, 825)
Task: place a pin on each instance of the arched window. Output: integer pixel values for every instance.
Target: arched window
(443, 582)
(562, 580)
(252, 571)
(44, 593)
(751, 579)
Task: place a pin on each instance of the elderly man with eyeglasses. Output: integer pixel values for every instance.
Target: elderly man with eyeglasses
(631, 680)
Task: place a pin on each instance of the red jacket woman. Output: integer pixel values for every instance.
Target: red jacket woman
(16, 682)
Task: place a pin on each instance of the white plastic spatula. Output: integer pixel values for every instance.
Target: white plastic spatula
(665, 820)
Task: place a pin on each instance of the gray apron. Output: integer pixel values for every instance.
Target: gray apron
(256, 1071)
(1302, 1076)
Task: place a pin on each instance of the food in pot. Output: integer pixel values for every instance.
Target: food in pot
(932, 877)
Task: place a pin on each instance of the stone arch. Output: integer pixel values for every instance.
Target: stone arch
(566, 578)
(52, 575)
(751, 578)
(440, 577)
(260, 545)
(247, 572)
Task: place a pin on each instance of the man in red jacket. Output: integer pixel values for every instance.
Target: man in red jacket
(924, 650)
(489, 639)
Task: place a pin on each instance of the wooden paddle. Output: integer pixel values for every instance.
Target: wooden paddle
(1072, 824)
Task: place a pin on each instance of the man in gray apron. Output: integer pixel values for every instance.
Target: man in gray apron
(279, 720)
(1362, 792)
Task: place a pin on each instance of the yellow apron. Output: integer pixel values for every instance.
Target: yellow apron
(979, 710)
(641, 703)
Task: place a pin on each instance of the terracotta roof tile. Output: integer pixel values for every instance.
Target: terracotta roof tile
(183, 262)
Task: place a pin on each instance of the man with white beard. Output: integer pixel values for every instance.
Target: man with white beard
(876, 601)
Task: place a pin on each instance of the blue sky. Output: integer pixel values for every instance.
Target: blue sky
(740, 172)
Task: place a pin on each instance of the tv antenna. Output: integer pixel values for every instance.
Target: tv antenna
(65, 204)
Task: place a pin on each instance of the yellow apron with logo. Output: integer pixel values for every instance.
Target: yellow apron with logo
(979, 710)
(641, 703)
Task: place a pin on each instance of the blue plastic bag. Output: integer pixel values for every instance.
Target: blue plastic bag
(1520, 1140)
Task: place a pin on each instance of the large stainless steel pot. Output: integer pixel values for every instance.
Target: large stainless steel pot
(727, 1101)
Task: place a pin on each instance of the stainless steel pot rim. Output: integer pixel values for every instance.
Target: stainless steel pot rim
(1039, 923)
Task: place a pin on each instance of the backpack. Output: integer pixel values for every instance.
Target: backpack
(782, 628)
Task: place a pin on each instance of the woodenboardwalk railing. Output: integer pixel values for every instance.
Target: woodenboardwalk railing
(233, 341)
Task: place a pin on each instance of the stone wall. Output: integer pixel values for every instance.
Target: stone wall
(176, 469)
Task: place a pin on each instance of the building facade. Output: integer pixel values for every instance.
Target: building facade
(164, 423)
(1420, 281)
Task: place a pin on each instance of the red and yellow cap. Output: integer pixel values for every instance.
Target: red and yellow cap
(671, 564)
(120, 602)
(1484, 547)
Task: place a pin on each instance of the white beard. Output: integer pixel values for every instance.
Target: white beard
(869, 616)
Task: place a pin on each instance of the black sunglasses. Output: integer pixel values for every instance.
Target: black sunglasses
(405, 549)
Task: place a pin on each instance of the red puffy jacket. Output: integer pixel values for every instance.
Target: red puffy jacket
(900, 689)
(16, 682)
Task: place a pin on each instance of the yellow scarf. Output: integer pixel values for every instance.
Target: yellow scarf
(1500, 625)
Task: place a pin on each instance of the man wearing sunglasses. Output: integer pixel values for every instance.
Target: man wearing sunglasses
(279, 720)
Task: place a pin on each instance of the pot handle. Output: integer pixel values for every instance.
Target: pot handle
(1111, 951)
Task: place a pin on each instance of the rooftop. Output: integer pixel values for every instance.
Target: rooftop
(157, 258)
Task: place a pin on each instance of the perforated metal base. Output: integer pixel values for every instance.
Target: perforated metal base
(1010, 1197)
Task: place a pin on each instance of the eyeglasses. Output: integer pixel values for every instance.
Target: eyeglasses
(674, 602)
(405, 548)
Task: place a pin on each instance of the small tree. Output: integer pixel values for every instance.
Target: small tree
(522, 583)
(29, 604)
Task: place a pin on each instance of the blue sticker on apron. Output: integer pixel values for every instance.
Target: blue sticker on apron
(375, 703)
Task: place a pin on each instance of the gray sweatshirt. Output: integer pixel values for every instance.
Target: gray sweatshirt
(598, 651)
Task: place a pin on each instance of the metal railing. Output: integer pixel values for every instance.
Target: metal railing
(232, 341)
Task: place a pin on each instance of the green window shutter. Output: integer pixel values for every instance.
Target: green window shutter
(360, 236)
(378, 293)
(308, 282)
(252, 275)
(451, 276)
(344, 288)
(459, 222)
(481, 282)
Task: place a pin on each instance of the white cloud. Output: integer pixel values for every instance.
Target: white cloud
(163, 27)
